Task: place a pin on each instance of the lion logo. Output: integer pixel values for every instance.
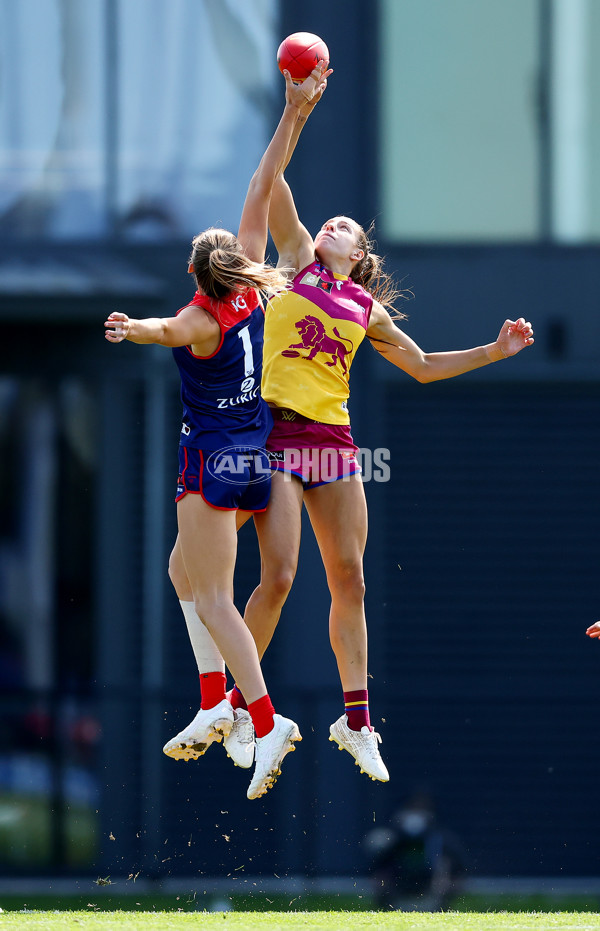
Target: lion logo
(314, 338)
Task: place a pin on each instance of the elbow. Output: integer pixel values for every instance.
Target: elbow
(424, 373)
(261, 186)
(425, 377)
(427, 371)
(166, 338)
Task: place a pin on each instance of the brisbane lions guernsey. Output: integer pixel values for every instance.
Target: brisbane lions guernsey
(220, 393)
(312, 332)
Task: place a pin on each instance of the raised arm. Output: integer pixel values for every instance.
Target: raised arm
(253, 229)
(292, 240)
(403, 352)
(294, 244)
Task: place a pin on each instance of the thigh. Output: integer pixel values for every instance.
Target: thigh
(208, 545)
(278, 528)
(338, 515)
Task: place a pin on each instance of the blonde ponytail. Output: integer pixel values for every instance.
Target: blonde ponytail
(221, 267)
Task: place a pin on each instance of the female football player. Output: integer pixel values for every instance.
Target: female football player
(217, 345)
(339, 294)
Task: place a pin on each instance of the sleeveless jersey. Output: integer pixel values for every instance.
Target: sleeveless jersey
(312, 332)
(220, 393)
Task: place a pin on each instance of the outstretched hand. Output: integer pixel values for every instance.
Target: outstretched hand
(514, 336)
(304, 96)
(117, 327)
(594, 630)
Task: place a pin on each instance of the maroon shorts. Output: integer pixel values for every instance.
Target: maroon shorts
(317, 453)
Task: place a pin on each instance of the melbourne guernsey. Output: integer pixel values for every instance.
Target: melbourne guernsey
(220, 393)
(312, 332)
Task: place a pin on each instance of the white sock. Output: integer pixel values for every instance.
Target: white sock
(208, 658)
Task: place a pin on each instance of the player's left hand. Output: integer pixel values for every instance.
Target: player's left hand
(594, 630)
(514, 336)
(117, 327)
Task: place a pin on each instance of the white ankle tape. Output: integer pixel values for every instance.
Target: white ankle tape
(208, 658)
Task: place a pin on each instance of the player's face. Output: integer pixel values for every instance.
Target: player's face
(338, 240)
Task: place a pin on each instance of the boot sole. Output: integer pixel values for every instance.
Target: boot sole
(192, 749)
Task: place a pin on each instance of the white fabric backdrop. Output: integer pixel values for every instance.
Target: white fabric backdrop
(163, 139)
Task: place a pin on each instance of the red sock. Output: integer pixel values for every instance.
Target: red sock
(357, 709)
(261, 712)
(212, 689)
(236, 699)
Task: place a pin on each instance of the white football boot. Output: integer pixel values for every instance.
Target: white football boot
(270, 751)
(239, 743)
(362, 745)
(212, 724)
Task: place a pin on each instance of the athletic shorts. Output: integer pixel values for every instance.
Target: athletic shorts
(318, 453)
(231, 479)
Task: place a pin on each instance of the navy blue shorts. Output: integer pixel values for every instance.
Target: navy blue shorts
(231, 479)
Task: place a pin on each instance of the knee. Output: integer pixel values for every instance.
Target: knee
(277, 581)
(347, 582)
(211, 607)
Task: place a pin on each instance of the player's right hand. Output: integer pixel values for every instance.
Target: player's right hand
(320, 74)
(594, 630)
(117, 327)
(299, 95)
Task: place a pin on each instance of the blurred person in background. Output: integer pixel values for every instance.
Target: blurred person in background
(217, 345)
(416, 865)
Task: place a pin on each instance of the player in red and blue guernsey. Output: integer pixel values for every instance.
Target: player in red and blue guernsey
(224, 415)
(223, 477)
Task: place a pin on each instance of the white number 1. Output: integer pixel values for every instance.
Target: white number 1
(244, 335)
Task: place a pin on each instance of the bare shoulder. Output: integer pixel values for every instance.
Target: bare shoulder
(201, 330)
(198, 317)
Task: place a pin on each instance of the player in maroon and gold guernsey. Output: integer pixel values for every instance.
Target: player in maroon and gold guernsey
(217, 344)
(339, 294)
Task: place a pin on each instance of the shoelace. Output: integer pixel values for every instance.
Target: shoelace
(372, 744)
(245, 731)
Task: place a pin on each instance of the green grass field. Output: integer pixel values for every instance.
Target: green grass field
(299, 921)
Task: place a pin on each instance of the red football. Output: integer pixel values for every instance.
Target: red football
(300, 53)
